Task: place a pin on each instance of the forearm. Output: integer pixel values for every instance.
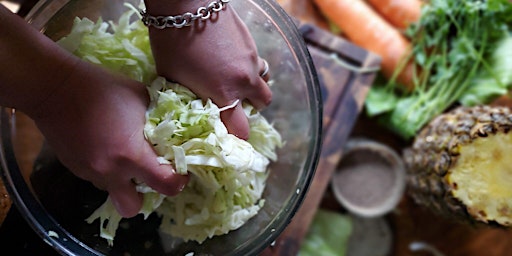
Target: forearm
(31, 65)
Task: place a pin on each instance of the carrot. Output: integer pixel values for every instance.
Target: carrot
(400, 13)
(364, 27)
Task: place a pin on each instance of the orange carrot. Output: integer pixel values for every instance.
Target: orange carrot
(364, 27)
(400, 13)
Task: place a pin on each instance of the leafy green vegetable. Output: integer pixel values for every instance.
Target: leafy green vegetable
(489, 85)
(328, 234)
(228, 174)
(456, 45)
(119, 46)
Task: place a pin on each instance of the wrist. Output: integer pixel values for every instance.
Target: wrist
(185, 19)
(32, 67)
(173, 7)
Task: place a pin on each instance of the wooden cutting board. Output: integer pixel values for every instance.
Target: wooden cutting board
(410, 223)
(345, 73)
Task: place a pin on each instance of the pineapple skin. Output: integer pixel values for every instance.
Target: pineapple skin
(435, 151)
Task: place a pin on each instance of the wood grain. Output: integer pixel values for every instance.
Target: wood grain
(410, 222)
(343, 92)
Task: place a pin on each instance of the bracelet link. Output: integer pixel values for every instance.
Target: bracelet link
(205, 14)
(215, 6)
(186, 19)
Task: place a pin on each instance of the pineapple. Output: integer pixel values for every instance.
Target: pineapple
(460, 165)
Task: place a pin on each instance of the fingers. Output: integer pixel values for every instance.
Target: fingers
(236, 121)
(259, 97)
(165, 180)
(262, 96)
(147, 169)
(161, 177)
(126, 199)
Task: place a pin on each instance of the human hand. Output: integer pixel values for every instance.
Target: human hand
(216, 59)
(92, 119)
(95, 122)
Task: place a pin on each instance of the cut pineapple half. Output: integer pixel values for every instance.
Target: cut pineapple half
(482, 178)
(460, 165)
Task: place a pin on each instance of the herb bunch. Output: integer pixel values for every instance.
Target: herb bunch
(453, 45)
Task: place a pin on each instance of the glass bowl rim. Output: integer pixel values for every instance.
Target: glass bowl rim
(65, 243)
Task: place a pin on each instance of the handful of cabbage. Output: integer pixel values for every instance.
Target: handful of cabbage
(228, 174)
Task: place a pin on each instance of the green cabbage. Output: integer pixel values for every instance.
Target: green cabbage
(228, 174)
(122, 46)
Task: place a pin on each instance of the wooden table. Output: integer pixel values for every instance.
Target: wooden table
(409, 222)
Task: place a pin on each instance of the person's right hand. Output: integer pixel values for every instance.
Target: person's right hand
(217, 59)
(94, 122)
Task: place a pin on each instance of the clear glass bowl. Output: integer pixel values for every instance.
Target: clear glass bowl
(55, 203)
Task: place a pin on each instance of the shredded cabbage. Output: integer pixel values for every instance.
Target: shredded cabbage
(122, 46)
(228, 174)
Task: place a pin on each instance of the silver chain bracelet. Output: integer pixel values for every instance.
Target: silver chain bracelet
(186, 19)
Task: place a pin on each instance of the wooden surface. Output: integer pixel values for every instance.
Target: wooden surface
(344, 91)
(410, 223)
